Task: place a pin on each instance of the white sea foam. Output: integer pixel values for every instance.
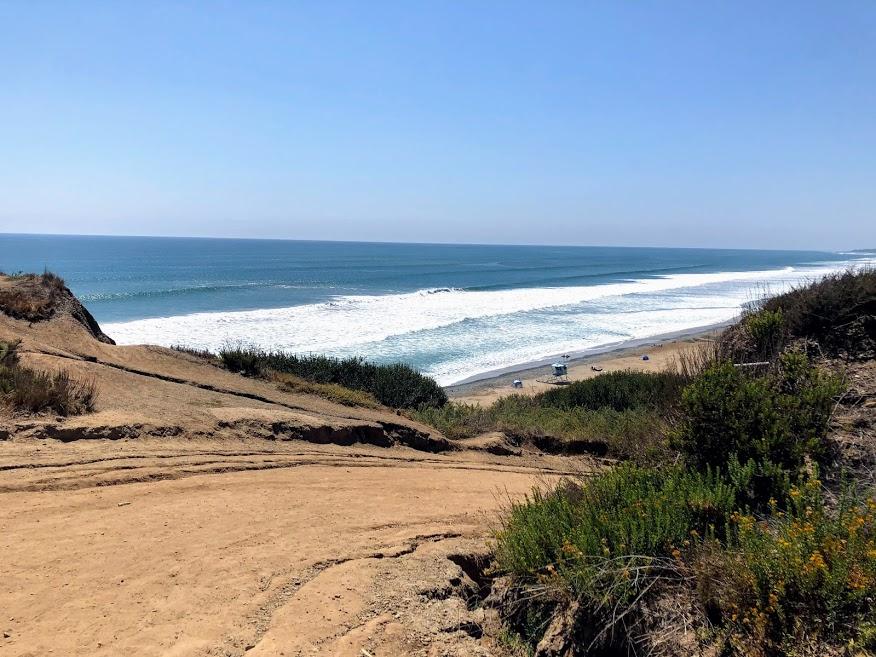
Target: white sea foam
(455, 334)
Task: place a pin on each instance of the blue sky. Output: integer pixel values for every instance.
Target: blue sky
(737, 124)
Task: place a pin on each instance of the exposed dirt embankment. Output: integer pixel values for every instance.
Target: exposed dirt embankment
(152, 391)
(38, 298)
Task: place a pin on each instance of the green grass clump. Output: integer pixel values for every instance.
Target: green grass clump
(396, 385)
(331, 391)
(26, 390)
(634, 433)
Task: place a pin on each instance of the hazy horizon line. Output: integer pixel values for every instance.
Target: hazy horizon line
(431, 243)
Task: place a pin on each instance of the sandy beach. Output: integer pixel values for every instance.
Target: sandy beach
(661, 351)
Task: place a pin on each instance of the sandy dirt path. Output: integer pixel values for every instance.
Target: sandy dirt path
(328, 552)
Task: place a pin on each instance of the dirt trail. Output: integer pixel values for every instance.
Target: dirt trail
(319, 550)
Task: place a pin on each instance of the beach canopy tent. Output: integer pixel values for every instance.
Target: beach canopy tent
(559, 369)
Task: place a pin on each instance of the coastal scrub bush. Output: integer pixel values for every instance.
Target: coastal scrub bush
(243, 360)
(619, 390)
(805, 575)
(598, 548)
(396, 385)
(630, 510)
(838, 312)
(767, 331)
(779, 417)
(31, 391)
(790, 581)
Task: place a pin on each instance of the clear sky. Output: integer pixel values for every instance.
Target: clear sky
(738, 124)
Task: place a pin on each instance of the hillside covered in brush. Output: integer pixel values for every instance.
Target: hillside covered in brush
(750, 527)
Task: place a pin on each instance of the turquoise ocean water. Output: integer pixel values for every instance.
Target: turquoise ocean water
(454, 311)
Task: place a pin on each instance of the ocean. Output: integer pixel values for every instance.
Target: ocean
(453, 311)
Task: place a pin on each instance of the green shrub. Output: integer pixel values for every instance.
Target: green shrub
(766, 330)
(805, 575)
(757, 482)
(401, 386)
(787, 583)
(605, 543)
(780, 417)
(396, 385)
(618, 390)
(243, 360)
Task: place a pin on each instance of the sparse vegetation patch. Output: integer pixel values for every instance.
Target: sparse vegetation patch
(627, 412)
(34, 297)
(25, 390)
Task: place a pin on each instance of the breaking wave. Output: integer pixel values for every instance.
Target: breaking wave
(453, 333)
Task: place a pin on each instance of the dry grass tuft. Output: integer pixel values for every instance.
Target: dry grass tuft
(25, 390)
(33, 297)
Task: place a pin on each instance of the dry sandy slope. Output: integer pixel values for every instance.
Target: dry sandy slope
(147, 390)
(325, 551)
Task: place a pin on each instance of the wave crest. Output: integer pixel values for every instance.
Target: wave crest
(452, 333)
